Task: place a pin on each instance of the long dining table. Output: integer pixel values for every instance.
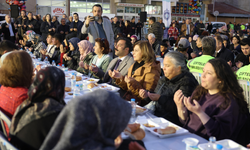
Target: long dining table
(151, 141)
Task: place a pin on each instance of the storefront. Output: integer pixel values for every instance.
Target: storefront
(127, 11)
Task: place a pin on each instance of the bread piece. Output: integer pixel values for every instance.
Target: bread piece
(140, 110)
(132, 127)
(138, 135)
(91, 85)
(67, 89)
(78, 78)
(167, 130)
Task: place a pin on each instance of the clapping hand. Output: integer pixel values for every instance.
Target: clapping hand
(93, 68)
(86, 66)
(116, 74)
(75, 29)
(128, 79)
(179, 98)
(61, 32)
(143, 93)
(153, 96)
(193, 107)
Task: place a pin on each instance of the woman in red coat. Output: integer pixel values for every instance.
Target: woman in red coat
(16, 70)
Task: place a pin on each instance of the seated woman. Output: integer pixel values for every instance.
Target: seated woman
(16, 71)
(86, 51)
(72, 125)
(37, 45)
(143, 74)
(70, 58)
(100, 61)
(36, 115)
(217, 107)
(176, 77)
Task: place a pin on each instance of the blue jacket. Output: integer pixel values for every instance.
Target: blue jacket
(79, 26)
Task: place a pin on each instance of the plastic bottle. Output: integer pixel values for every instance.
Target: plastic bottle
(73, 80)
(76, 90)
(211, 144)
(53, 63)
(219, 147)
(21, 49)
(133, 114)
(46, 61)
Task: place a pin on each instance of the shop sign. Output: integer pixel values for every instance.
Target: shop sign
(130, 5)
(58, 11)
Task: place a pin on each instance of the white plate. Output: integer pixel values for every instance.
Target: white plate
(108, 87)
(162, 123)
(141, 113)
(227, 144)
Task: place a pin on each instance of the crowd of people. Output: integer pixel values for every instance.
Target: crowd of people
(113, 53)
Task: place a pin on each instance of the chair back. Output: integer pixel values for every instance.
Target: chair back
(5, 145)
(197, 76)
(6, 119)
(245, 86)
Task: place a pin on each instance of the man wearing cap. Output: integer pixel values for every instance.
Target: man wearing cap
(183, 47)
(208, 48)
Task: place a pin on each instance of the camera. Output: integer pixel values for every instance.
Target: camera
(95, 18)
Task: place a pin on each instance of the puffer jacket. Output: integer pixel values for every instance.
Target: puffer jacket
(156, 30)
(165, 107)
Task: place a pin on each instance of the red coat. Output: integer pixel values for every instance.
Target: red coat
(10, 99)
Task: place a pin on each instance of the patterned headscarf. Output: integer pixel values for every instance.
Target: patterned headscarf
(92, 121)
(45, 98)
(87, 47)
(30, 34)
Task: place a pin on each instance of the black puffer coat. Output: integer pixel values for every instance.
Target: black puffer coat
(165, 106)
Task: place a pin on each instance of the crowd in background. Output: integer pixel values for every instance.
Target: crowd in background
(116, 53)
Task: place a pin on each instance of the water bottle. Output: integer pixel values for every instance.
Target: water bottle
(73, 80)
(219, 147)
(21, 49)
(133, 114)
(211, 144)
(76, 91)
(53, 63)
(46, 61)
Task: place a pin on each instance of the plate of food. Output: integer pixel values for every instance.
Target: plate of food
(91, 80)
(161, 127)
(108, 87)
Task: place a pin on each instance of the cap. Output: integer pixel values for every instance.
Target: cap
(183, 43)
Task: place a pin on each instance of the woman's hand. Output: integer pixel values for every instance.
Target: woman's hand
(153, 96)
(143, 93)
(93, 68)
(128, 79)
(110, 73)
(178, 99)
(86, 66)
(69, 58)
(195, 107)
(116, 74)
(81, 64)
(118, 141)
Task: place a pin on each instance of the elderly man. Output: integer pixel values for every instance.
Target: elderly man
(98, 27)
(187, 28)
(63, 29)
(154, 43)
(208, 48)
(155, 29)
(9, 29)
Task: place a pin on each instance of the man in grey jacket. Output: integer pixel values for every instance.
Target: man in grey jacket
(121, 63)
(98, 27)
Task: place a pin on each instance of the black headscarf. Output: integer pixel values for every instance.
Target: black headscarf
(45, 98)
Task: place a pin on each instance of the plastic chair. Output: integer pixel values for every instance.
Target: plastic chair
(5, 145)
(197, 76)
(6, 119)
(245, 86)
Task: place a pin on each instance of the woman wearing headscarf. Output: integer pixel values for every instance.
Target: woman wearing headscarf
(87, 52)
(37, 45)
(70, 59)
(34, 118)
(94, 131)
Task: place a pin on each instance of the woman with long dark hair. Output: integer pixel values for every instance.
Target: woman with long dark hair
(47, 27)
(235, 46)
(217, 107)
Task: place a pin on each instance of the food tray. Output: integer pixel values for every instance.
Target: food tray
(159, 123)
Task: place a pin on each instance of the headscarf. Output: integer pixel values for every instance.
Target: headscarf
(92, 121)
(134, 36)
(87, 47)
(30, 34)
(74, 42)
(45, 98)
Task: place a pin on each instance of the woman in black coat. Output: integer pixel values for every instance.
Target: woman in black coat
(47, 27)
(176, 77)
